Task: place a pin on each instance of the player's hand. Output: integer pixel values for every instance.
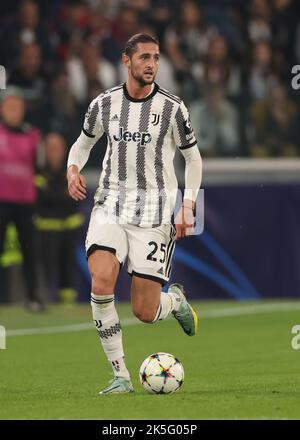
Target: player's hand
(76, 184)
(185, 219)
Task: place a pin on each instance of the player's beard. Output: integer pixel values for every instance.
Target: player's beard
(142, 82)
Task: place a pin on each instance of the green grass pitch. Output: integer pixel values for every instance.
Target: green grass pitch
(240, 365)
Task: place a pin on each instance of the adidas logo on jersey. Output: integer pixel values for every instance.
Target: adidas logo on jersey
(114, 118)
(127, 136)
(161, 271)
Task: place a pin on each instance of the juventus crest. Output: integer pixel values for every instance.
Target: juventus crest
(155, 118)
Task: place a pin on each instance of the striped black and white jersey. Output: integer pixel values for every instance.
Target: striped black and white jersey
(138, 182)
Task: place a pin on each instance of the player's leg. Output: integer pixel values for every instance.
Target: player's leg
(106, 246)
(104, 268)
(149, 303)
(149, 263)
(150, 255)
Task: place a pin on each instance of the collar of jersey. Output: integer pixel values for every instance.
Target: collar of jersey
(130, 98)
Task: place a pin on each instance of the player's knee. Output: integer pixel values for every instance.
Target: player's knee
(103, 282)
(146, 316)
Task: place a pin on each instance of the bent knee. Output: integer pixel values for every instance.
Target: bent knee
(144, 315)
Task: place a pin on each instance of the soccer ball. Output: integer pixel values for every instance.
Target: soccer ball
(161, 373)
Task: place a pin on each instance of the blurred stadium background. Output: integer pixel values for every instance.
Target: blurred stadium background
(231, 62)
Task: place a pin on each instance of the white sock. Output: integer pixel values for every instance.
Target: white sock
(108, 325)
(119, 368)
(168, 303)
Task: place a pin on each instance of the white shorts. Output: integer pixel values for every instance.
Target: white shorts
(149, 250)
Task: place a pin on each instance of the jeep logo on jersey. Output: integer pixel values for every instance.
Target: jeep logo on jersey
(126, 136)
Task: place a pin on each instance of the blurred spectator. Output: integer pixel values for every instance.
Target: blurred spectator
(161, 18)
(145, 10)
(284, 21)
(126, 24)
(90, 74)
(276, 124)
(186, 43)
(64, 53)
(293, 35)
(32, 79)
(261, 73)
(65, 117)
(58, 221)
(142, 8)
(110, 7)
(220, 70)
(259, 23)
(227, 19)
(215, 121)
(297, 44)
(25, 29)
(70, 27)
(18, 151)
(101, 36)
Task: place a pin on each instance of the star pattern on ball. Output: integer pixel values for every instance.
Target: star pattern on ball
(165, 373)
(144, 376)
(155, 356)
(161, 373)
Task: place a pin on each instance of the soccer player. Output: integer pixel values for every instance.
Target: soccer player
(134, 201)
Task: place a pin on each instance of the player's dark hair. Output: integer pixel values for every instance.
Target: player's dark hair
(131, 45)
